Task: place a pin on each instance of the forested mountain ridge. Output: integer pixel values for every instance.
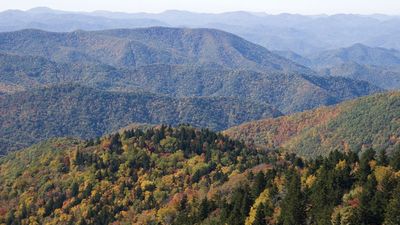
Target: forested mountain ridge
(183, 176)
(78, 111)
(387, 77)
(376, 65)
(133, 48)
(300, 33)
(371, 121)
(357, 53)
(172, 61)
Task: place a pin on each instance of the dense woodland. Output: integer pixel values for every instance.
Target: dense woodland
(183, 175)
(172, 61)
(72, 110)
(356, 125)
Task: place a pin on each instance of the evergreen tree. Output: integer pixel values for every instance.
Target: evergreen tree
(259, 184)
(241, 203)
(365, 168)
(395, 159)
(324, 196)
(74, 189)
(203, 209)
(260, 216)
(382, 158)
(115, 143)
(10, 218)
(293, 206)
(368, 204)
(392, 215)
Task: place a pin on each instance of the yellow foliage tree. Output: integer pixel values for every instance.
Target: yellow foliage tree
(263, 199)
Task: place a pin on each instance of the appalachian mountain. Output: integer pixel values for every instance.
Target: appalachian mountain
(357, 53)
(140, 47)
(379, 66)
(177, 126)
(283, 32)
(387, 77)
(356, 125)
(70, 110)
(172, 61)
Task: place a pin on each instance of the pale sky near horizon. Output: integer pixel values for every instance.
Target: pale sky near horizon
(215, 6)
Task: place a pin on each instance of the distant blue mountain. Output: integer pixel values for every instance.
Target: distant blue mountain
(283, 32)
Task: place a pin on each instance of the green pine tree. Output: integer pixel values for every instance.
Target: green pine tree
(392, 215)
(395, 159)
(293, 206)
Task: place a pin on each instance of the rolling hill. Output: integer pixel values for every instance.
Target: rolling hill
(71, 110)
(378, 66)
(371, 121)
(357, 53)
(172, 61)
(385, 77)
(133, 48)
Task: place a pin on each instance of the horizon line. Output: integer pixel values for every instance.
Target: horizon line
(254, 13)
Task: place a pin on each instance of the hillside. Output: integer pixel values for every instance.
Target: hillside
(133, 48)
(371, 121)
(357, 53)
(71, 110)
(172, 61)
(378, 66)
(301, 91)
(385, 77)
(28, 72)
(179, 176)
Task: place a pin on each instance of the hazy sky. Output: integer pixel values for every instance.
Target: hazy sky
(269, 6)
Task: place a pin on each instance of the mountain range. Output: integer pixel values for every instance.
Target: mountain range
(172, 64)
(180, 118)
(376, 65)
(172, 61)
(298, 33)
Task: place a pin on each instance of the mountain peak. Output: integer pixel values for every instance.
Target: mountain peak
(359, 45)
(41, 10)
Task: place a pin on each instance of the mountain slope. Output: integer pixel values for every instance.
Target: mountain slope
(353, 125)
(293, 56)
(27, 72)
(357, 53)
(140, 47)
(28, 117)
(180, 176)
(385, 77)
(301, 91)
(378, 66)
